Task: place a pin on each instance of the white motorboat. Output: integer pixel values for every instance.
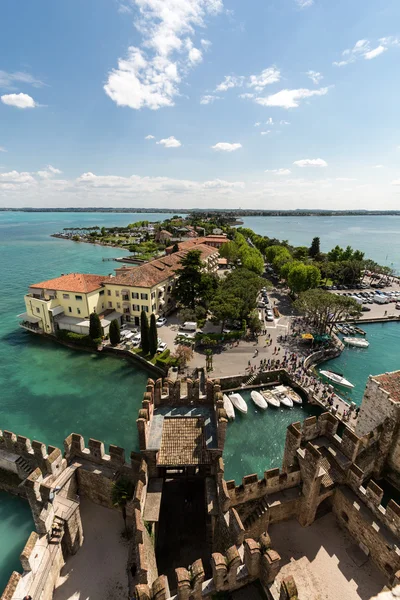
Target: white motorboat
(290, 393)
(258, 400)
(270, 398)
(228, 406)
(337, 378)
(357, 342)
(280, 392)
(238, 402)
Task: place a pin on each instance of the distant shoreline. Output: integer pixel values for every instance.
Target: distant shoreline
(225, 212)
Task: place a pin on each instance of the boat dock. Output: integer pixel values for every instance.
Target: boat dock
(317, 395)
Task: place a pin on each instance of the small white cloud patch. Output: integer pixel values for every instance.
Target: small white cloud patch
(18, 100)
(226, 147)
(170, 142)
(310, 162)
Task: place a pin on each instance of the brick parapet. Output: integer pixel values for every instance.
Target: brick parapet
(75, 448)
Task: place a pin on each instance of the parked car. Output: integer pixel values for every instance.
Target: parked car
(365, 309)
(161, 321)
(162, 346)
(269, 315)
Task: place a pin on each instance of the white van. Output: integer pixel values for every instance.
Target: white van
(189, 326)
(379, 299)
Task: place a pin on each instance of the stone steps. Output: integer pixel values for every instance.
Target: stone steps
(258, 512)
(23, 465)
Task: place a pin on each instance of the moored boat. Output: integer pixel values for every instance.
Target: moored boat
(290, 393)
(228, 406)
(270, 398)
(258, 400)
(238, 402)
(280, 392)
(337, 378)
(360, 331)
(357, 342)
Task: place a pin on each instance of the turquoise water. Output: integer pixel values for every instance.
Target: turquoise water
(356, 364)
(47, 391)
(255, 441)
(15, 526)
(377, 236)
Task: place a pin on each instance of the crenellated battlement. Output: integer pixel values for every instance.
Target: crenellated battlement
(253, 488)
(35, 455)
(372, 496)
(230, 572)
(75, 448)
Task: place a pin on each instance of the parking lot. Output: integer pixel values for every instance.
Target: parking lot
(373, 308)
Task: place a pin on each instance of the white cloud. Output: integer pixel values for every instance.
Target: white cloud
(48, 172)
(170, 142)
(16, 177)
(209, 99)
(229, 82)
(195, 56)
(311, 162)
(270, 121)
(375, 52)
(226, 146)
(266, 77)
(149, 137)
(279, 171)
(2, 149)
(150, 75)
(315, 76)
(257, 124)
(206, 44)
(246, 95)
(345, 179)
(265, 132)
(378, 166)
(362, 49)
(304, 3)
(53, 170)
(11, 81)
(18, 100)
(284, 122)
(290, 98)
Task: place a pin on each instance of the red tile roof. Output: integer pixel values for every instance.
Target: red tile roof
(156, 271)
(73, 282)
(391, 383)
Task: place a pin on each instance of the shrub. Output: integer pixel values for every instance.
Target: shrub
(115, 335)
(95, 328)
(78, 339)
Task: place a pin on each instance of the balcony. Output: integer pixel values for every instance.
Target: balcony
(30, 323)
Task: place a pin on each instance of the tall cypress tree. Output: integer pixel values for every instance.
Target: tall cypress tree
(115, 334)
(153, 335)
(95, 328)
(144, 332)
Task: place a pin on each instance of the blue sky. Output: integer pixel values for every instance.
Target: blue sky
(256, 104)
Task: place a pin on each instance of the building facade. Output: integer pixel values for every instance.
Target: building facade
(66, 302)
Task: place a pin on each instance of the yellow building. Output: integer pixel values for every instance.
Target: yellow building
(66, 302)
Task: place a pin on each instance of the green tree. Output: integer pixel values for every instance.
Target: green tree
(230, 251)
(188, 284)
(95, 328)
(225, 307)
(254, 322)
(115, 334)
(325, 309)
(153, 335)
(103, 232)
(313, 277)
(301, 253)
(315, 249)
(297, 278)
(144, 332)
(121, 493)
(244, 285)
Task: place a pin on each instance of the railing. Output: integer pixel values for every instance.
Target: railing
(30, 326)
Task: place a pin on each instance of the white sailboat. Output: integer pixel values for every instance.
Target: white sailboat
(238, 402)
(280, 392)
(337, 378)
(357, 342)
(270, 398)
(258, 400)
(228, 406)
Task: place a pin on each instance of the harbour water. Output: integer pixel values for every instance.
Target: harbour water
(47, 390)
